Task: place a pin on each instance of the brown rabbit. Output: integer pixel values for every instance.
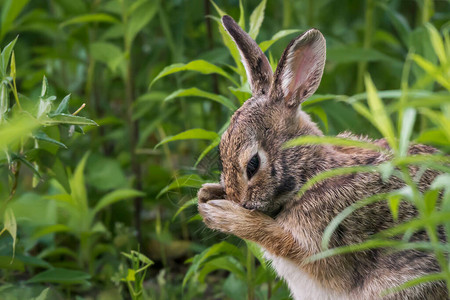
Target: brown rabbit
(257, 196)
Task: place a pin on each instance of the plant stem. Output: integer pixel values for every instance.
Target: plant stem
(133, 127)
(367, 43)
(250, 275)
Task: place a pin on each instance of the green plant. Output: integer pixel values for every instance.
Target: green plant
(136, 275)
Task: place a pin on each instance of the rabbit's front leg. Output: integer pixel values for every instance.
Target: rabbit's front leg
(230, 217)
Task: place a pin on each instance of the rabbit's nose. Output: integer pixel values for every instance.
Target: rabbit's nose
(249, 206)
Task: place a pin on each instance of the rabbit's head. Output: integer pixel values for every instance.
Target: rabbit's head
(258, 172)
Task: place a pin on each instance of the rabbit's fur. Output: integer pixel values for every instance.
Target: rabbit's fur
(267, 210)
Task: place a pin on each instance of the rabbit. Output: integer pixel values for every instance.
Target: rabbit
(257, 197)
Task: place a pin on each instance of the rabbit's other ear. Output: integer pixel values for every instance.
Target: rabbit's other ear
(300, 68)
(257, 67)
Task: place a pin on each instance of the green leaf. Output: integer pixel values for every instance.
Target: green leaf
(331, 140)
(430, 199)
(195, 92)
(42, 136)
(186, 204)
(63, 107)
(432, 70)
(16, 129)
(10, 225)
(109, 54)
(241, 21)
(398, 21)
(201, 66)
(280, 34)
(438, 44)
(256, 19)
(115, 196)
(332, 173)
(191, 180)
(409, 117)
(139, 18)
(232, 48)
(43, 295)
(77, 186)
(68, 119)
(6, 55)
(219, 11)
(130, 276)
(394, 202)
(51, 229)
(222, 263)
(61, 276)
(4, 101)
(416, 281)
(44, 88)
(90, 18)
(380, 116)
(191, 134)
(10, 11)
(211, 146)
(222, 248)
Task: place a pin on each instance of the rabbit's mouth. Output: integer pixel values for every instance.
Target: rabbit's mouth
(274, 213)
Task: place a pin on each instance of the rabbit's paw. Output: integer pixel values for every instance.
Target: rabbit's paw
(223, 215)
(210, 191)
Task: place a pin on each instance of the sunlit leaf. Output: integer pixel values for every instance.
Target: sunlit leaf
(16, 129)
(191, 134)
(195, 92)
(201, 66)
(409, 117)
(43, 295)
(68, 119)
(256, 19)
(191, 180)
(186, 205)
(432, 70)
(438, 44)
(331, 140)
(227, 263)
(222, 248)
(380, 117)
(208, 149)
(280, 34)
(6, 52)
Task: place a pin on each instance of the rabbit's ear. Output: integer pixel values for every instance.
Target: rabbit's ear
(300, 68)
(257, 67)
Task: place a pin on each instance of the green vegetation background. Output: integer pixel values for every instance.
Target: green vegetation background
(108, 211)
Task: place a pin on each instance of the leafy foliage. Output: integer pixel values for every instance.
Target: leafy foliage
(144, 69)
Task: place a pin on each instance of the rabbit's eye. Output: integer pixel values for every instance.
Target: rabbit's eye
(253, 166)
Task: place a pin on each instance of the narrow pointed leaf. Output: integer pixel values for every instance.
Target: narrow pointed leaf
(195, 92)
(115, 196)
(90, 18)
(201, 66)
(191, 134)
(256, 19)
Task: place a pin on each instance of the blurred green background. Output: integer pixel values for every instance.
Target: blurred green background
(79, 199)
